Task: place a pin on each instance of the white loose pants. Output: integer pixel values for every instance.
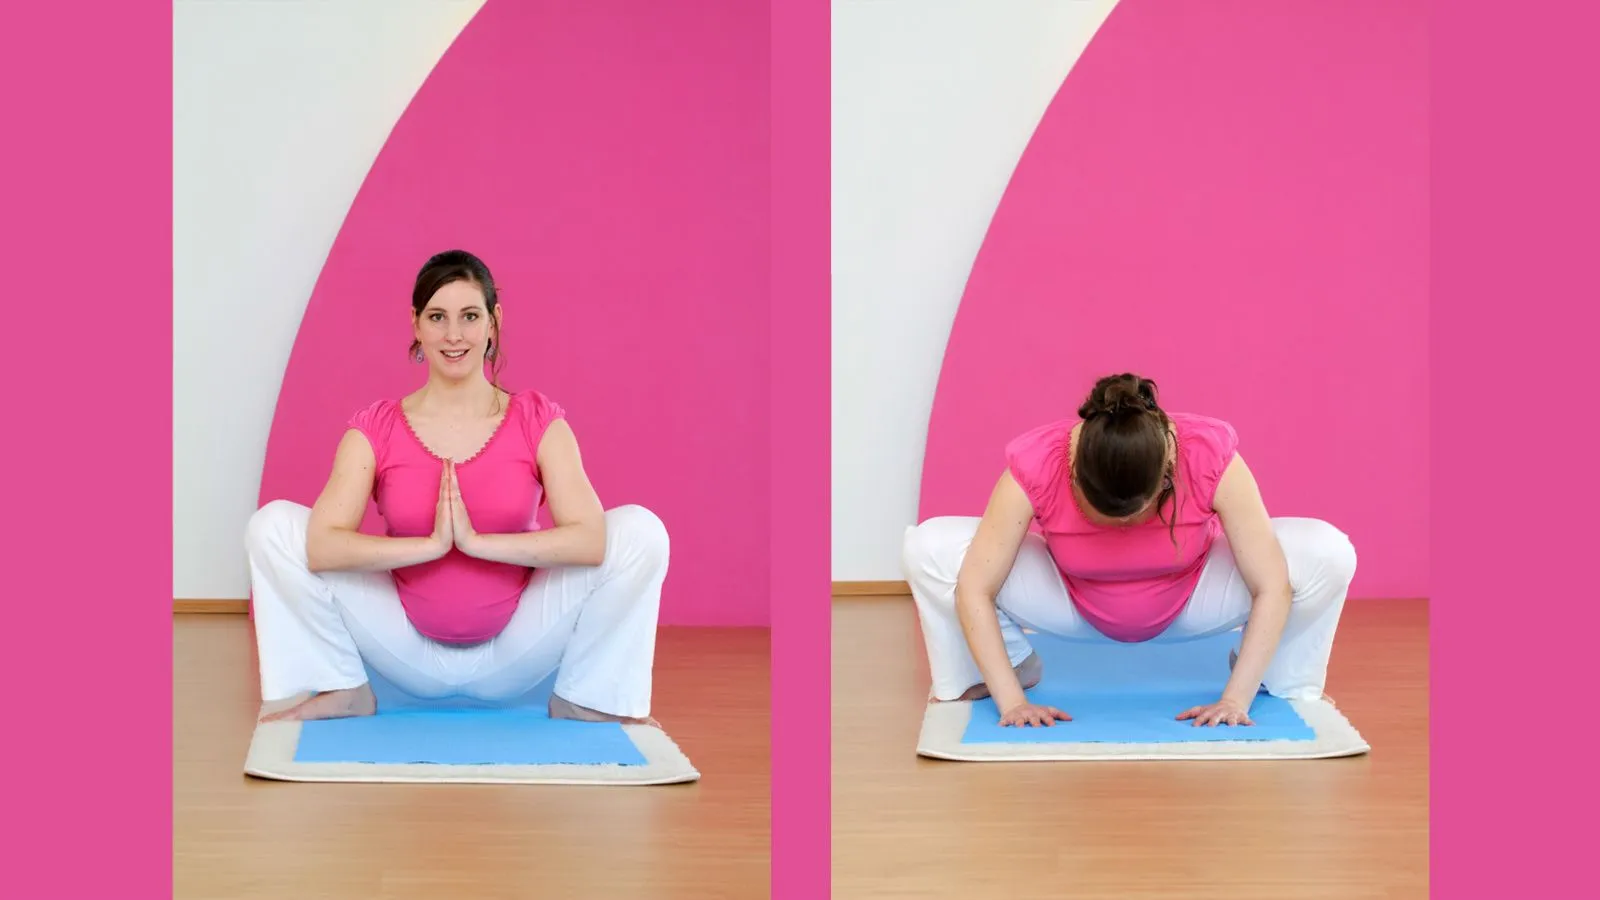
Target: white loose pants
(1321, 560)
(597, 624)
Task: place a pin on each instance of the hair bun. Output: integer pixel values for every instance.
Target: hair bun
(1118, 396)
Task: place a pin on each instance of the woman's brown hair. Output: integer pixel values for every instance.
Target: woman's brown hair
(1122, 449)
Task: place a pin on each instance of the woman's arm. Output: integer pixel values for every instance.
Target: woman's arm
(984, 570)
(1260, 560)
(578, 537)
(332, 541)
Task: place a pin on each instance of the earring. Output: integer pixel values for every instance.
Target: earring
(490, 350)
(416, 355)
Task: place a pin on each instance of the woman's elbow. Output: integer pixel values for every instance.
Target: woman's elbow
(972, 596)
(317, 559)
(1275, 593)
(596, 544)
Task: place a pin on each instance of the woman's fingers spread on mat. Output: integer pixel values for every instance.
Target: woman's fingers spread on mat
(1031, 715)
(1216, 714)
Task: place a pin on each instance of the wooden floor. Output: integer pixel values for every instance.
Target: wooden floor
(905, 827)
(238, 837)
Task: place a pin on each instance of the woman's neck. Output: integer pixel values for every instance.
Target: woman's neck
(453, 397)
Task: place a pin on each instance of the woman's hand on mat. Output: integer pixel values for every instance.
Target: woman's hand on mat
(465, 537)
(444, 536)
(1222, 712)
(1031, 714)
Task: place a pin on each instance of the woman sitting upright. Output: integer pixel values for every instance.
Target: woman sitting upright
(464, 594)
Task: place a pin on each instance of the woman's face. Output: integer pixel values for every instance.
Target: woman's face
(454, 330)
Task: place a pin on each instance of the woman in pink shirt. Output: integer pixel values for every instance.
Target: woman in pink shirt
(464, 594)
(1150, 527)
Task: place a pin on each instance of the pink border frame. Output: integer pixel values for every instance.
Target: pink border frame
(801, 450)
(88, 448)
(1514, 192)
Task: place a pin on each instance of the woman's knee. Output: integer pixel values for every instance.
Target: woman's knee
(273, 522)
(1319, 550)
(635, 533)
(936, 546)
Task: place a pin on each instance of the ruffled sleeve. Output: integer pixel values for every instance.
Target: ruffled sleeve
(538, 411)
(377, 423)
(1037, 459)
(1209, 446)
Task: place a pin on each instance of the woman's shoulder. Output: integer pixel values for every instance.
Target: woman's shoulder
(378, 414)
(536, 403)
(1044, 443)
(1205, 438)
(1037, 459)
(1053, 430)
(377, 422)
(536, 411)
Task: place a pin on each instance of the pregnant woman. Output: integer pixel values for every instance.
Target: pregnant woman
(1151, 527)
(464, 595)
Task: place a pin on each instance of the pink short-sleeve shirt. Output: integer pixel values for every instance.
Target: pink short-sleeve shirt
(1130, 583)
(459, 599)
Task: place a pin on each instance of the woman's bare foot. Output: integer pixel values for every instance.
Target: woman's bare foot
(1030, 671)
(563, 709)
(340, 704)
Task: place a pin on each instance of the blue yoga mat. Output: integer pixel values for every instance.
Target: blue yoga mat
(460, 732)
(466, 737)
(1132, 693)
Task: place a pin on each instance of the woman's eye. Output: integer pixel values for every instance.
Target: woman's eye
(472, 316)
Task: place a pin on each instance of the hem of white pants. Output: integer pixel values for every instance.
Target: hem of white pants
(280, 696)
(934, 694)
(1303, 694)
(602, 707)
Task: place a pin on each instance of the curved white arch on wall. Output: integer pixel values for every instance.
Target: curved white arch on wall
(933, 103)
(279, 110)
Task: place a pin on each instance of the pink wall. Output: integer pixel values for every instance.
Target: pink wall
(608, 160)
(1231, 198)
